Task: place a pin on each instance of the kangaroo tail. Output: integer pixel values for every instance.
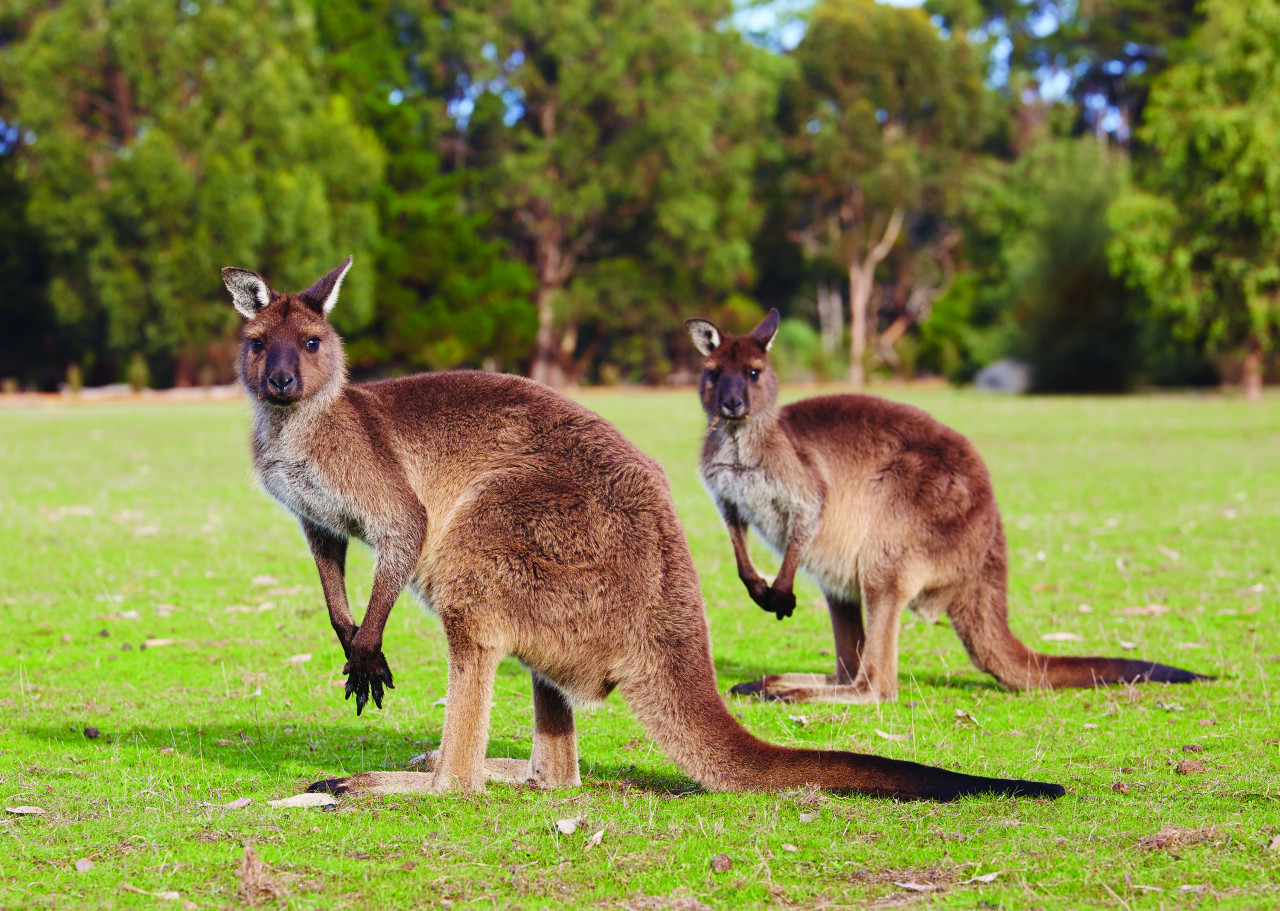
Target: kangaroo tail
(979, 616)
(671, 687)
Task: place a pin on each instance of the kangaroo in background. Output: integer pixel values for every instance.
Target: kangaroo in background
(885, 508)
(532, 528)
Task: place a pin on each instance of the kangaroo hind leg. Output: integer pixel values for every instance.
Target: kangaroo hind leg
(554, 763)
(850, 640)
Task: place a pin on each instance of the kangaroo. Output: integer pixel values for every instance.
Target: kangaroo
(530, 527)
(885, 508)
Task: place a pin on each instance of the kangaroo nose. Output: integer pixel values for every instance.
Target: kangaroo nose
(732, 407)
(280, 381)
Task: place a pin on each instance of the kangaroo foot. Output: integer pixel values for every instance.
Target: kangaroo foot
(376, 783)
(507, 771)
(814, 688)
(366, 673)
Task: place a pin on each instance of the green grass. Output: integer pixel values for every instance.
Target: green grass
(109, 511)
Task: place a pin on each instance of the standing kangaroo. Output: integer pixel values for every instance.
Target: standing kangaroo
(885, 508)
(531, 527)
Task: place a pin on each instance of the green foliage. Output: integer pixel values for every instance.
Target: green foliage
(1200, 229)
(448, 294)
(171, 140)
(960, 337)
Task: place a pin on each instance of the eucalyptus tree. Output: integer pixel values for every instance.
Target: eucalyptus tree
(880, 114)
(1200, 229)
(163, 141)
(614, 139)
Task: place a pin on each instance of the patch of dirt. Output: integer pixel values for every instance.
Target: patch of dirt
(257, 885)
(1171, 837)
(676, 902)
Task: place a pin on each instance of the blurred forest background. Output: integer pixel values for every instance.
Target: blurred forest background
(1090, 187)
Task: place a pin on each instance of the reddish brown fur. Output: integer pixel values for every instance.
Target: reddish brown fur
(886, 508)
(531, 527)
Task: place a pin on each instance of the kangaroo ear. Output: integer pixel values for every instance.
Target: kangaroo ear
(324, 293)
(767, 329)
(248, 290)
(706, 337)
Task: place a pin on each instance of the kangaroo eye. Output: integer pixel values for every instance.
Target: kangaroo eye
(313, 344)
(255, 344)
(754, 374)
(713, 375)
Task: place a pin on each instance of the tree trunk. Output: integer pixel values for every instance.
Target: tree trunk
(1252, 371)
(830, 317)
(862, 277)
(546, 362)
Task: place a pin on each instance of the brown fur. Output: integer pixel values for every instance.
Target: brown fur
(885, 508)
(532, 528)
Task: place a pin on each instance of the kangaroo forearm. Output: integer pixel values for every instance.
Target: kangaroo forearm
(741, 553)
(330, 554)
(790, 562)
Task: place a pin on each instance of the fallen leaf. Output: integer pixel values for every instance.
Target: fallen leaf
(83, 865)
(239, 609)
(298, 660)
(789, 847)
(1085, 609)
(801, 720)
(1090, 727)
(290, 590)
(896, 738)
(1169, 552)
(808, 817)
(567, 826)
(721, 863)
(1195, 888)
(238, 804)
(915, 887)
(1127, 645)
(1252, 590)
(130, 615)
(594, 840)
(224, 743)
(25, 811)
(1144, 610)
(266, 606)
(1189, 767)
(157, 643)
(1044, 587)
(1148, 888)
(983, 878)
(1062, 637)
(302, 800)
(1275, 844)
(165, 751)
(265, 580)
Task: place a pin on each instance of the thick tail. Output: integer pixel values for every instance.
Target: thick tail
(673, 693)
(979, 616)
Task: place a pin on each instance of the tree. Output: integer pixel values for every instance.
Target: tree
(880, 114)
(1200, 231)
(1109, 51)
(448, 293)
(605, 131)
(167, 140)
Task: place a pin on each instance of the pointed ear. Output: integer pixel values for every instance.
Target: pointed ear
(767, 329)
(706, 337)
(324, 293)
(248, 290)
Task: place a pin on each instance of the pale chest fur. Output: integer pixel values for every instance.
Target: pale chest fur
(288, 471)
(755, 473)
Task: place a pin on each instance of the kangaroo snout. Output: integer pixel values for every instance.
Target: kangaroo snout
(733, 406)
(280, 381)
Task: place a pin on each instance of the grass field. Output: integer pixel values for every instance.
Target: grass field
(125, 523)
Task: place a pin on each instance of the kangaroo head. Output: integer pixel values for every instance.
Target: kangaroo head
(737, 379)
(288, 351)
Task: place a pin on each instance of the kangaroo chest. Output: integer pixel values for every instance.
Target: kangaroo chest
(294, 482)
(738, 472)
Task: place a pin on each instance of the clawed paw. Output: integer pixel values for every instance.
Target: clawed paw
(781, 603)
(366, 674)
